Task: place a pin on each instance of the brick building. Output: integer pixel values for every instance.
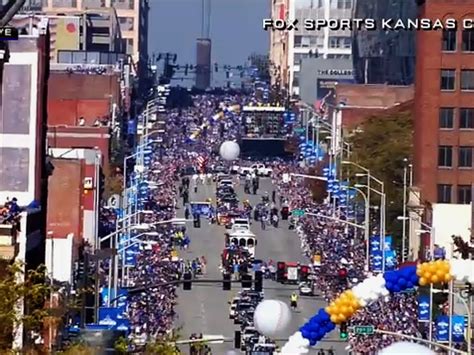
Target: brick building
(444, 95)
(364, 100)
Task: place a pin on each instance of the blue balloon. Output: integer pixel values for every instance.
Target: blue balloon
(396, 288)
(312, 342)
(410, 284)
(389, 286)
(402, 282)
(305, 334)
(414, 279)
(325, 316)
(313, 335)
(331, 326)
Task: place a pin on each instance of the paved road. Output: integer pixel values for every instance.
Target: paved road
(204, 309)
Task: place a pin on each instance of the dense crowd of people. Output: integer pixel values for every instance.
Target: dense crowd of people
(338, 246)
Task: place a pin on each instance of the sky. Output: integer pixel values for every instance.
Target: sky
(235, 29)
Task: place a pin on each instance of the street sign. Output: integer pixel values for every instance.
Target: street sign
(114, 201)
(364, 329)
(297, 213)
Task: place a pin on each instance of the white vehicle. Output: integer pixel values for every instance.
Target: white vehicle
(262, 170)
(242, 238)
(240, 223)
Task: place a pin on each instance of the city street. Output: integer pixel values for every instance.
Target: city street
(204, 309)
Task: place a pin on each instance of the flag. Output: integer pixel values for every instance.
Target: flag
(321, 104)
(201, 162)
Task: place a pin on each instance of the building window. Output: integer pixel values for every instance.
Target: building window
(340, 42)
(447, 79)
(445, 156)
(449, 40)
(297, 41)
(467, 79)
(464, 194)
(446, 117)
(444, 193)
(296, 81)
(465, 157)
(344, 4)
(468, 40)
(466, 118)
(129, 46)
(305, 41)
(126, 23)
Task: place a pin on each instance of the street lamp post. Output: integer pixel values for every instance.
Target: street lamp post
(366, 222)
(404, 227)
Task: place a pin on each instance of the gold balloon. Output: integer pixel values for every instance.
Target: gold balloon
(440, 273)
(447, 278)
(426, 275)
(345, 310)
(419, 271)
(328, 309)
(342, 318)
(334, 319)
(432, 268)
(434, 279)
(423, 281)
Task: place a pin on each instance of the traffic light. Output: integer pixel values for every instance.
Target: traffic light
(280, 273)
(226, 284)
(246, 281)
(187, 284)
(343, 333)
(169, 71)
(258, 281)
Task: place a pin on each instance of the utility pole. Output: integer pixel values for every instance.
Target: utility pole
(169, 65)
(9, 10)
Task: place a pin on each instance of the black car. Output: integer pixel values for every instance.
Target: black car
(225, 190)
(219, 169)
(188, 171)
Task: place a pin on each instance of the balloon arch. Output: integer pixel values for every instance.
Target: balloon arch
(370, 290)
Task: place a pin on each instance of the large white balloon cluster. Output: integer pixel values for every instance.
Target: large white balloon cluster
(370, 290)
(295, 345)
(405, 347)
(229, 150)
(272, 317)
(462, 270)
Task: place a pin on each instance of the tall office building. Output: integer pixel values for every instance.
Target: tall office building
(132, 15)
(279, 46)
(326, 43)
(384, 57)
(444, 120)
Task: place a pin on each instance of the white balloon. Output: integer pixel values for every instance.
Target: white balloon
(405, 347)
(229, 150)
(272, 317)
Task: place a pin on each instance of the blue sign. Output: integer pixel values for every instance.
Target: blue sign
(376, 255)
(131, 254)
(200, 208)
(458, 328)
(442, 328)
(113, 318)
(132, 127)
(423, 308)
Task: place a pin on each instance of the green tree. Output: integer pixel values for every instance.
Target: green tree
(164, 345)
(381, 144)
(19, 287)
